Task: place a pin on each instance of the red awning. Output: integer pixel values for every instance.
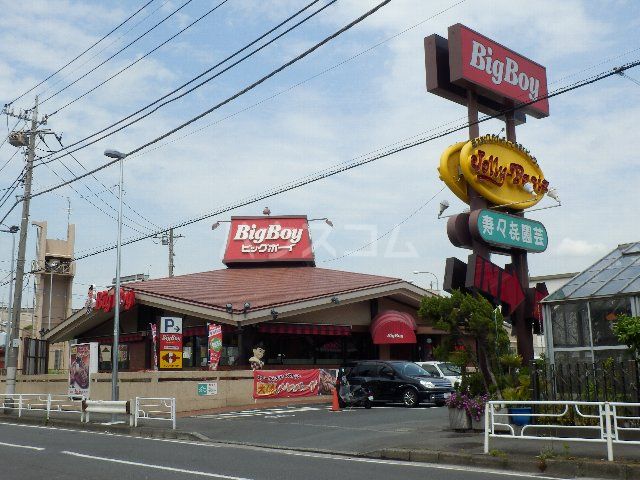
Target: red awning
(305, 329)
(392, 326)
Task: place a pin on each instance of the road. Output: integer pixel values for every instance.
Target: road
(30, 452)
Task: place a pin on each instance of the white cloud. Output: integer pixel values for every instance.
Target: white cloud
(580, 248)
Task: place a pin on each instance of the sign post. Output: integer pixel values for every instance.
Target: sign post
(170, 343)
(489, 172)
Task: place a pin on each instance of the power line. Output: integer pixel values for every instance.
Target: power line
(106, 47)
(560, 91)
(404, 220)
(340, 168)
(82, 53)
(141, 58)
(146, 107)
(119, 51)
(107, 189)
(97, 196)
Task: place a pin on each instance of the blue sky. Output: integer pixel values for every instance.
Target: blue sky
(585, 147)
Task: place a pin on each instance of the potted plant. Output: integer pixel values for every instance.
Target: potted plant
(476, 410)
(458, 415)
(519, 415)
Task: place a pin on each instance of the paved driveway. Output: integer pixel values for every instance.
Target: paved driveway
(351, 430)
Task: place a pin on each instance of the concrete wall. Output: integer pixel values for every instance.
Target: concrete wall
(235, 388)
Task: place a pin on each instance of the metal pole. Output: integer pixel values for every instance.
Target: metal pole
(50, 297)
(10, 306)
(12, 358)
(171, 252)
(116, 316)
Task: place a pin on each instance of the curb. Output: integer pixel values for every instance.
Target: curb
(146, 432)
(563, 468)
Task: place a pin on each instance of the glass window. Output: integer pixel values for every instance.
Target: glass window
(450, 369)
(329, 349)
(386, 371)
(604, 314)
(570, 325)
(572, 357)
(431, 370)
(410, 369)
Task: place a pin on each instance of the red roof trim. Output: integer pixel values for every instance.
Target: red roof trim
(305, 329)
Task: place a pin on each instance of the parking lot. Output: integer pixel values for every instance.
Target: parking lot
(353, 430)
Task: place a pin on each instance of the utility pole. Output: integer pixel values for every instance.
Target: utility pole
(171, 252)
(170, 240)
(12, 357)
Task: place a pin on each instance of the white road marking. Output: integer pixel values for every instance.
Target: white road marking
(21, 446)
(270, 413)
(283, 451)
(156, 467)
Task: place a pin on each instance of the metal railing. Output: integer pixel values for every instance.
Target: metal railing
(609, 423)
(25, 402)
(161, 409)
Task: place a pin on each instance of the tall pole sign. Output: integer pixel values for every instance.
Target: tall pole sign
(497, 177)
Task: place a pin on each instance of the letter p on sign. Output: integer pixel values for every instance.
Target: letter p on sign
(171, 325)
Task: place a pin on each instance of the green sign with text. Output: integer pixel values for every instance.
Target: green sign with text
(510, 231)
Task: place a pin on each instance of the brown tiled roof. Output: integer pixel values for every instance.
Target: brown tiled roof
(262, 287)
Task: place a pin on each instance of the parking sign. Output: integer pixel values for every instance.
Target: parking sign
(171, 325)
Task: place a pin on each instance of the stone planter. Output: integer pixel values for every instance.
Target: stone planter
(458, 419)
(478, 424)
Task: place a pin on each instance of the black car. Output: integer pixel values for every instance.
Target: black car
(395, 381)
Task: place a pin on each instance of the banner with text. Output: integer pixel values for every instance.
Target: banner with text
(214, 336)
(285, 383)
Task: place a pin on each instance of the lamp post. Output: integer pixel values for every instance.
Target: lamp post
(116, 314)
(416, 272)
(12, 230)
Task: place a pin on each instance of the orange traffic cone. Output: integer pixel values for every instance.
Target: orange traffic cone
(335, 405)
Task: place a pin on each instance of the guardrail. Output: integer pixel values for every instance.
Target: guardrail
(607, 424)
(113, 407)
(41, 402)
(161, 409)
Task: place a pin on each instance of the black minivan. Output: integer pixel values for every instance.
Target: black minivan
(396, 381)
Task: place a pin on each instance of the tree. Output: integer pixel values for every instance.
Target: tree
(472, 315)
(627, 329)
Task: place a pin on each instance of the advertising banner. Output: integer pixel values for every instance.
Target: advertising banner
(285, 383)
(260, 239)
(154, 344)
(214, 336)
(83, 361)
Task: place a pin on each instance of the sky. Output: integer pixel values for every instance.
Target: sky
(362, 92)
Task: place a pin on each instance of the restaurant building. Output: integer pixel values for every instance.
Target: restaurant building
(270, 295)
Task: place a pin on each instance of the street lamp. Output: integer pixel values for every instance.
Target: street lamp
(116, 315)
(416, 272)
(12, 230)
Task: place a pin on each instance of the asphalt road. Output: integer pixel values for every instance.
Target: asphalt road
(354, 430)
(30, 452)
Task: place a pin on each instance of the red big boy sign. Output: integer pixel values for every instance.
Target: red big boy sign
(499, 72)
(269, 239)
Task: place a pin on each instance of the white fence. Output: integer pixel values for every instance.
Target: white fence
(160, 409)
(26, 402)
(610, 421)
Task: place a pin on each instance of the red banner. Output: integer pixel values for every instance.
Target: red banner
(154, 343)
(285, 383)
(214, 332)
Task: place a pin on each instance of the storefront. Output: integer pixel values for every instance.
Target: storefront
(270, 296)
(579, 316)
